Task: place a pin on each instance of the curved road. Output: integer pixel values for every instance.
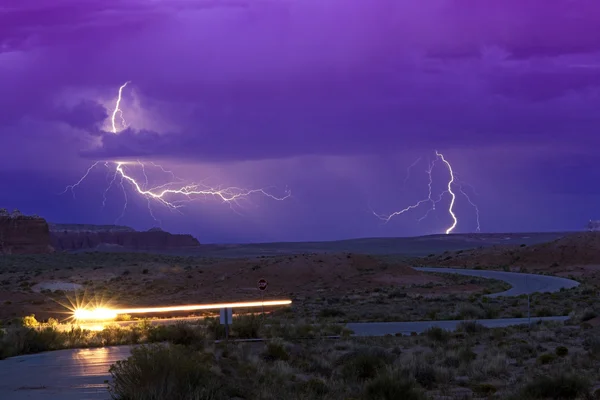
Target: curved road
(521, 283)
(81, 374)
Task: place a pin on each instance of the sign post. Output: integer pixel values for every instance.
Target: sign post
(226, 319)
(262, 286)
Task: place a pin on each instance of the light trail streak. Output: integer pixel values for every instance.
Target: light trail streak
(452, 182)
(105, 314)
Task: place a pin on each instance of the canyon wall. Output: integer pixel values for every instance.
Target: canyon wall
(22, 234)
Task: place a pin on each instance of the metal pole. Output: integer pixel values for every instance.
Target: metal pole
(262, 300)
(528, 302)
(226, 324)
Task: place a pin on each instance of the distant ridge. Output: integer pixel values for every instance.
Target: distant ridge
(89, 228)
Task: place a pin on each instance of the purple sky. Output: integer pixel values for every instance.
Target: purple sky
(332, 99)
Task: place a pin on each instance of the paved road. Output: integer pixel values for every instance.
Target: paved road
(521, 283)
(81, 374)
(406, 328)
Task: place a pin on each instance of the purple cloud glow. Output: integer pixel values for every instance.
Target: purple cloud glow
(333, 99)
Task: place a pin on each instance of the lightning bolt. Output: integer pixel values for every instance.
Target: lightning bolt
(164, 193)
(117, 110)
(460, 188)
(173, 195)
(410, 167)
(73, 186)
(452, 182)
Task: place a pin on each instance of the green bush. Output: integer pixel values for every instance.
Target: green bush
(562, 386)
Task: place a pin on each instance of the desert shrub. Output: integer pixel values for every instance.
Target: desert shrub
(562, 386)
(491, 312)
(588, 315)
(469, 311)
(163, 372)
(592, 344)
(275, 351)
(392, 386)
(115, 335)
(561, 351)
(437, 334)
(425, 374)
(247, 326)
(470, 327)
(546, 358)
(484, 389)
(331, 313)
(521, 351)
(184, 334)
(397, 294)
(314, 386)
(466, 355)
(363, 364)
(29, 321)
(544, 312)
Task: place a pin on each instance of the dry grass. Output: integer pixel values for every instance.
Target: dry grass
(470, 363)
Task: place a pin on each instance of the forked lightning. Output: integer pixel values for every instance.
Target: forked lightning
(452, 183)
(171, 194)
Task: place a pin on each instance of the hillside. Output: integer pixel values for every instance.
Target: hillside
(578, 249)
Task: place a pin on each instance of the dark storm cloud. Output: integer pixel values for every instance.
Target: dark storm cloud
(86, 115)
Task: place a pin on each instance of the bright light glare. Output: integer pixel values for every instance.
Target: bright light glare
(100, 314)
(96, 314)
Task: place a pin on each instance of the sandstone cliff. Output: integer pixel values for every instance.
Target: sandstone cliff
(124, 240)
(22, 234)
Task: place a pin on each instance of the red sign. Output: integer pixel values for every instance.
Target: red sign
(262, 284)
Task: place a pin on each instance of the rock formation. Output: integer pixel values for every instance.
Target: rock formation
(22, 234)
(111, 238)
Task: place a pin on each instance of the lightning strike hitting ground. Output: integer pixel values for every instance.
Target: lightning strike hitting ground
(452, 182)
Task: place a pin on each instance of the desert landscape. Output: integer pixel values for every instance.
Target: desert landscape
(309, 347)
